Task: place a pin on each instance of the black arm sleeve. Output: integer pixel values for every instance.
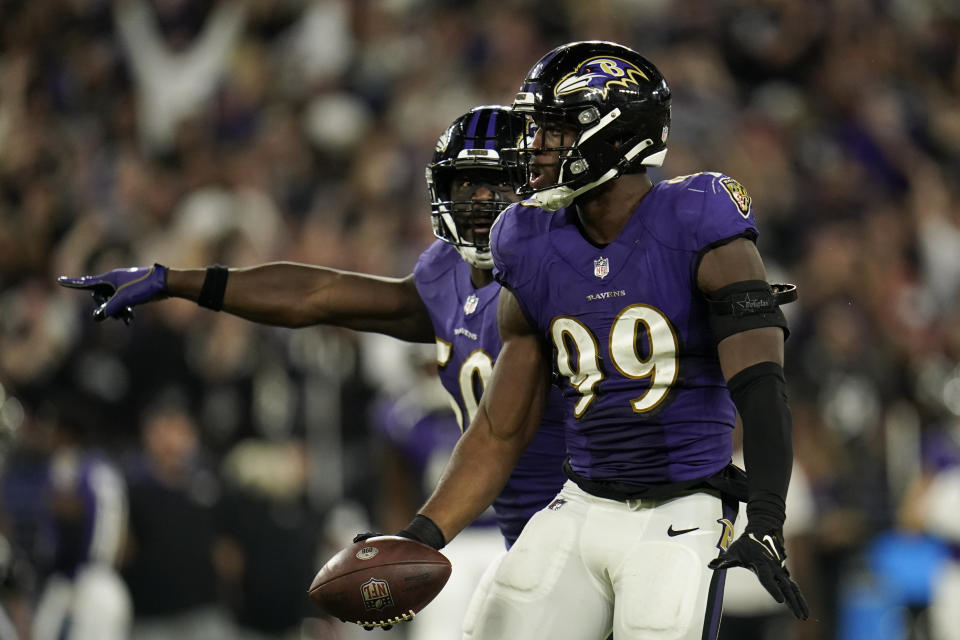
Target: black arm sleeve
(760, 394)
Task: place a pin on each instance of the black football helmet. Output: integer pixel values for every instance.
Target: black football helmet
(471, 149)
(616, 100)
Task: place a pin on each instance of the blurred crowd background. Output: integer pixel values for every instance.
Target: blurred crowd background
(195, 469)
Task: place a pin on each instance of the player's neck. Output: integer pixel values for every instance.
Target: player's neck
(603, 216)
(480, 277)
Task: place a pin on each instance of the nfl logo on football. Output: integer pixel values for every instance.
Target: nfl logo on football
(376, 594)
(471, 304)
(601, 267)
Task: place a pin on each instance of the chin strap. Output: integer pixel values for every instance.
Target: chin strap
(556, 198)
(473, 257)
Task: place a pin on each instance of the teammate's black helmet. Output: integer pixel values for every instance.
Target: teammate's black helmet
(618, 102)
(473, 146)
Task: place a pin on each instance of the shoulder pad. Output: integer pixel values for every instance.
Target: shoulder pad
(514, 238)
(709, 208)
(436, 262)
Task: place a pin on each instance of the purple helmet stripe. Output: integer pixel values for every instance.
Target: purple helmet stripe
(492, 131)
(472, 130)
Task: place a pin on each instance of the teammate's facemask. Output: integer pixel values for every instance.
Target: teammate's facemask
(471, 180)
(615, 100)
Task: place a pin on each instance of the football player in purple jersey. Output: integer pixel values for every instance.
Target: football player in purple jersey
(652, 304)
(450, 297)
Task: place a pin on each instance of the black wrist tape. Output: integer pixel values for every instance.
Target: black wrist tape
(760, 394)
(423, 529)
(214, 287)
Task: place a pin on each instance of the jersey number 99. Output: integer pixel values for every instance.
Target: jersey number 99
(583, 369)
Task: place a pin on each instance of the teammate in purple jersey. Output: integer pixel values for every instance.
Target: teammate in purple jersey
(651, 302)
(449, 298)
(465, 322)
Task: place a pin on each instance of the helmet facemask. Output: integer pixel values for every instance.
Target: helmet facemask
(468, 202)
(472, 179)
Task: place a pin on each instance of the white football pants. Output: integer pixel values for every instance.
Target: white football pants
(585, 566)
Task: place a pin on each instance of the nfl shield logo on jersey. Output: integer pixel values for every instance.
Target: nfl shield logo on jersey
(601, 267)
(471, 304)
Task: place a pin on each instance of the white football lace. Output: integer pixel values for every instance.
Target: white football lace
(389, 622)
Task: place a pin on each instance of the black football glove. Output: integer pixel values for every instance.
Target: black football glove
(421, 529)
(360, 537)
(763, 554)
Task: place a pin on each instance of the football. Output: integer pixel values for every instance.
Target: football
(380, 581)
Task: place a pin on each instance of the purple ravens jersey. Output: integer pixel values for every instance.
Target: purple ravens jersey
(468, 341)
(648, 403)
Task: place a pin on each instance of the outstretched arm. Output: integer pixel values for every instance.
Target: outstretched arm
(278, 293)
(509, 415)
(298, 295)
